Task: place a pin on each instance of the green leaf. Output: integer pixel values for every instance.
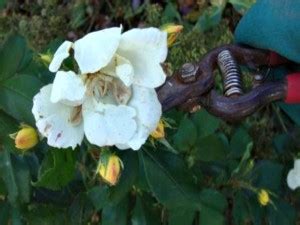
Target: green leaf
(205, 123)
(283, 214)
(12, 55)
(218, 3)
(3, 4)
(169, 179)
(15, 174)
(139, 216)
(22, 176)
(99, 196)
(41, 214)
(4, 212)
(144, 213)
(186, 136)
(7, 126)
(268, 175)
(16, 96)
(256, 212)
(211, 216)
(292, 111)
(210, 18)
(242, 5)
(281, 142)
(240, 209)
(210, 148)
(3, 190)
(17, 91)
(80, 210)
(179, 216)
(115, 214)
(78, 17)
(246, 163)
(141, 181)
(16, 217)
(213, 199)
(213, 205)
(57, 169)
(170, 14)
(239, 143)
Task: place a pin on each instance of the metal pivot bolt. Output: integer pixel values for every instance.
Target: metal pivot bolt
(231, 74)
(188, 72)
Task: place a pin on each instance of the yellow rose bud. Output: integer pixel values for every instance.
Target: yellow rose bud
(159, 132)
(26, 138)
(109, 168)
(173, 31)
(263, 197)
(46, 58)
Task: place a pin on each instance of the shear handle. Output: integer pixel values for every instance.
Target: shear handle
(235, 109)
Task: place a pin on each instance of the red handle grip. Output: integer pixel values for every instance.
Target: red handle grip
(293, 80)
(293, 88)
(276, 59)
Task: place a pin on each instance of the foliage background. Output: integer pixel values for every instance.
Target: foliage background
(217, 168)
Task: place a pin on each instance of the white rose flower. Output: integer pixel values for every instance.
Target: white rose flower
(111, 100)
(293, 178)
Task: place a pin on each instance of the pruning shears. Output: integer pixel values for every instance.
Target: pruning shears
(194, 83)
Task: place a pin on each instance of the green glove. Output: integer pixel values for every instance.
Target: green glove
(272, 25)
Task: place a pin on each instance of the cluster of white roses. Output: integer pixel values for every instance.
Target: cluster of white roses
(111, 100)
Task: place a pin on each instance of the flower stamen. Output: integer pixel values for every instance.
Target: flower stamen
(121, 92)
(76, 115)
(99, 84)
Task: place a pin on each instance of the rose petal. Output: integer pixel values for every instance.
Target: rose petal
(145, 49)
(145, 101)
(53, 121)
(121, 92)
(121, 68)
(138, 139)
(113, 125)
(293, 179)
(148, 108)
(68, 88)
(297, 165)
(95, 50)
(60, 55)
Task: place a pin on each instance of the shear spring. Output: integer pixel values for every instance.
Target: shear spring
(231, 74)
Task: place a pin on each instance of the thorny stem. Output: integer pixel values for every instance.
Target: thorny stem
(278, 114)
(110, 5)
(240, 184)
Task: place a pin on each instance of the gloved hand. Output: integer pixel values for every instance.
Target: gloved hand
(274, 25)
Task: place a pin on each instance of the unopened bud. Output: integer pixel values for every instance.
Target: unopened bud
(109, 168)
(26, 138)
(159, 132)
(263, 197)
(46, 58)
(173, 31)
